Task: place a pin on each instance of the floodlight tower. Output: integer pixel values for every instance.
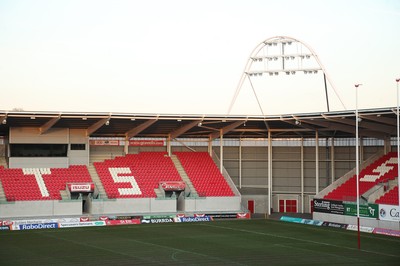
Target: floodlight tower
(398, 139)
(273, 57)
(357, 169)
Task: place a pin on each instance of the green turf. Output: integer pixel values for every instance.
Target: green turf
(243, 242)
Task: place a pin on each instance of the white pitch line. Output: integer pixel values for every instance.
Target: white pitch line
(299, 239)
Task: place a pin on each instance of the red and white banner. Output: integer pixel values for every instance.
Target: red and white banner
(244, 215)
(84, 187)
(103, 218)
(173, 185)
(6, 223)
(84, 219)
(122, 222)
(146, 143)
(104, 142)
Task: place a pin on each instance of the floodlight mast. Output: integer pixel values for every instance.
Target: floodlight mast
(357, 171)
(398, 139)
(282, 40)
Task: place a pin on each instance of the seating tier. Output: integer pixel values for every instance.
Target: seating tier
(204, 174)
(40, 183)
(380, 171)
(390, 198)
(136, 175)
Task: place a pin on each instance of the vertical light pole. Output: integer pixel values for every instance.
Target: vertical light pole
(398, 138)
(357, 171)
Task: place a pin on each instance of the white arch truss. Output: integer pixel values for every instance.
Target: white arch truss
(282, 58)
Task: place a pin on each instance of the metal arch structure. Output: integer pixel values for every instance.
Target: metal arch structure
(282, 57)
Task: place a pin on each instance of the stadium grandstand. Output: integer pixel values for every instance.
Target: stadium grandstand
(97, 164)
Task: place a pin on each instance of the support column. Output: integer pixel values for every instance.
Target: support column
(386, 145)
(333, 160)
(240, 162)
(210, 151)
(169, 145)
(302, 173)
(269, 172)
(126, 146)
(221, 150)
(316, 163)
(361, 150)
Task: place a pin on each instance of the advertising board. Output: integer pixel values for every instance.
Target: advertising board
(173, 185)
(364, 229)
(389, 212)
(387, 232)
(157, 220)
(328, 206)
(122, 222)
(370, 210)
(334, 225)
(192, 219)
(38, 226)
(82, 224)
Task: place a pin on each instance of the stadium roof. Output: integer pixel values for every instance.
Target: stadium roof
(374, 123)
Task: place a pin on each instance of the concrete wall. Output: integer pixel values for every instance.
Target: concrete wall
(133, 206)
(25, 135)
(40, 208)
(38, 162)
(212, 204)
(168, 205)
(78, 157)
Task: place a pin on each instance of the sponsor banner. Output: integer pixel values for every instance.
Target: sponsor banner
(125, 217)
(5, 227)
(364, 229)
(104, 142)
(38, 226)
(157, 220)
(291, 219)
(244, 215)
(369, 211)
(82, 224)
(146, 143)
(83, 187)
(6, 223)
(312, 222)
(223, 216)
(14, 225)
(328, 206)
(388, 232)
(173, 185)
(301, 220)
(122, 222)
(334, 225)
(180, 215)
(192, 219)
(389, 212)
(158, 216)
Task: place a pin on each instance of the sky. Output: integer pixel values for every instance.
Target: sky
(187, 57)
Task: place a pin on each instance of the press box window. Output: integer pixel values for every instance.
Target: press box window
(78, 147)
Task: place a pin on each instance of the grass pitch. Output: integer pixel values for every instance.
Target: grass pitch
(240, 242)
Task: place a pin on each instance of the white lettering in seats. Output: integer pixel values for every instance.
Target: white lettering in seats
(380, 170)
(38, 172)
(115, 173)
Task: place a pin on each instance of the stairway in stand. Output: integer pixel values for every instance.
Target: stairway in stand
(184, 176)
(97, 182)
